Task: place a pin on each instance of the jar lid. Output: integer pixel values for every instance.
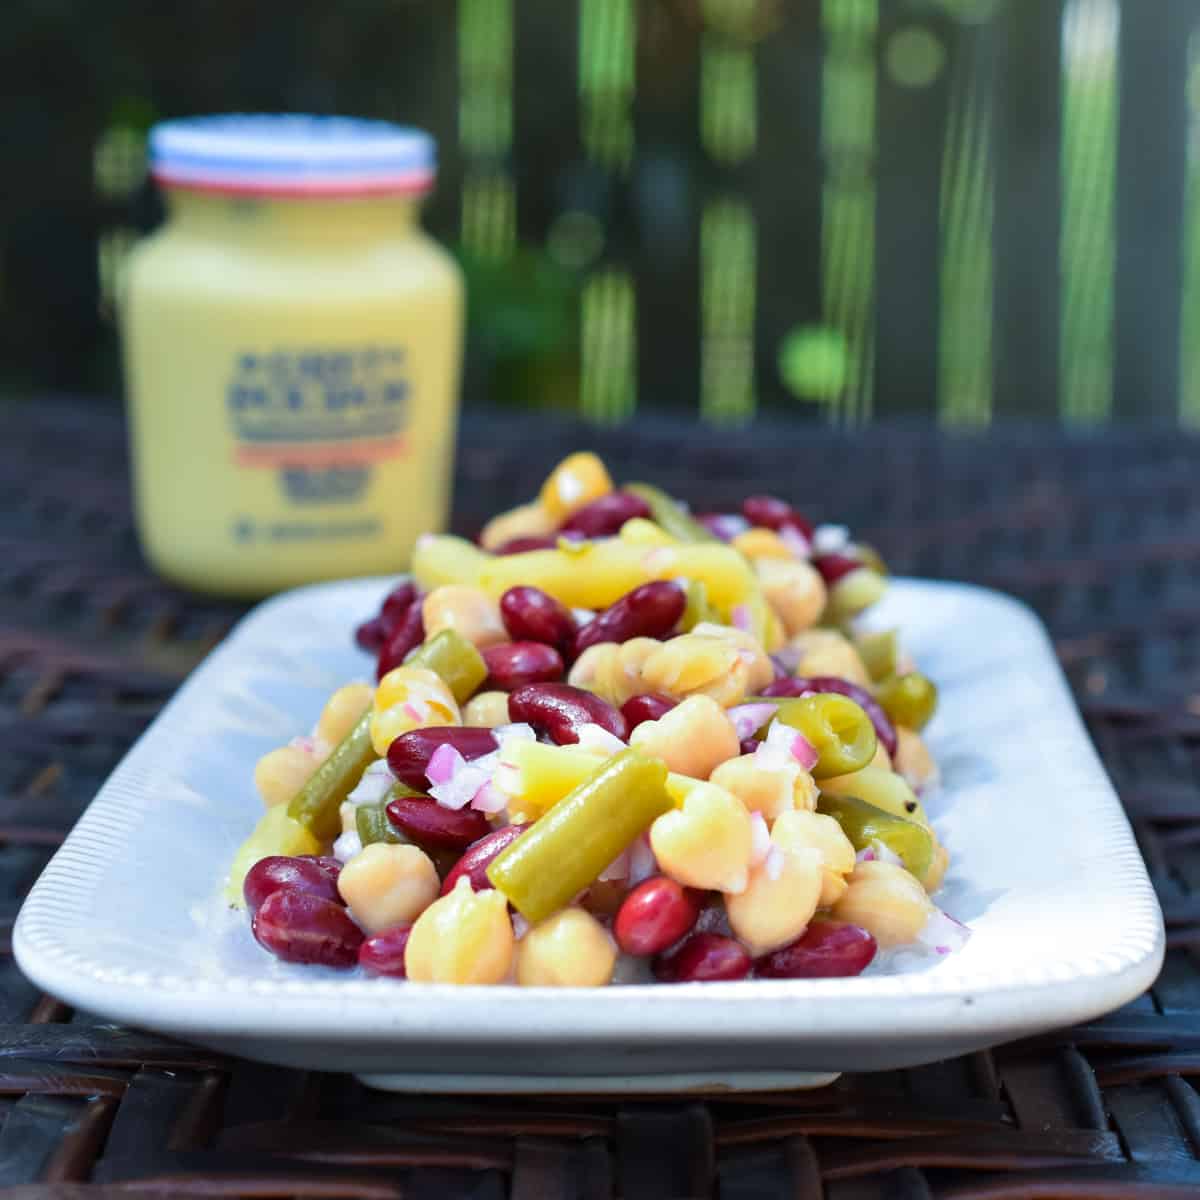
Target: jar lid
(291, 155)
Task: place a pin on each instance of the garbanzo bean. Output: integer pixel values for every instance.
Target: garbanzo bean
(569, 949)
(695, 665)
(410, 698)
(281, 773)
(769, 790)
(577, 480)
(827, 652)
(529, 520)
(886, 901)
(794, 590)
(706, 843)
(387, 884)
(467, 611)
(342, 711)
(759, 670)
(692, 738)
(913, 759)
(465, 937)
(486, 710)
(778, 901)
(810, 830)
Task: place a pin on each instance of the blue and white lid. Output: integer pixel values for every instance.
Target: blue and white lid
(291, 155)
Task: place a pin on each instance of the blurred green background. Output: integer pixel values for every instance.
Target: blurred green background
(968, 210)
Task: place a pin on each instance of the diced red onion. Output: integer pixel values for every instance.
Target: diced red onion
(466, 781)
(520, 926)
(582, 615)
(307, 743)
(642, 863)
(726, 526)
(596, 737)
(943, 934)
(794, 745)
(773, 865)
(748, 719)
(788, 657)
(795, 541)
(376, 780)
(878, 852)
(347, 846)
(618, 869)
(740, 617)
(517, 732)
(760, 839)
(443, 763)
(411, 711)
(489, 799)
(830, 539)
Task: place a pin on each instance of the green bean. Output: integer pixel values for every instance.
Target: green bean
(455, 659)
(909, 700)
(882, 788)
(870, 557)
(372, 825)
(855, 592)
(838, 729)
(879, 652)
(669, 514)
(864, 823)
(698, 608)
(567, 848)
(316, 805)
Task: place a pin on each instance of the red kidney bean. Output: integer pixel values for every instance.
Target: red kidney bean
(826, 950)
(409, 633)
(409, 754)
(772, 513)
(520, 545)
(530, 615)
(514, 664)
(604, 516)
(398, 601)
(302, 928)
(798, 685)
(371, 635)
(383, 954)
(560, 709)
(835, 566)
(429, 823)
(269, 875)
(649, 706)
(477, 858)
(703, 958)
(326, 862)
(648, 611)
(655, 915)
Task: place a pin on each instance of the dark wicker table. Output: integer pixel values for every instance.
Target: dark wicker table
(1101, 534)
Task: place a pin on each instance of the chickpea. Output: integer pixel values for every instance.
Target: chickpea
(937, 869)
(692, 739)
(281, 773)
(886, 901)
(913, 759)
(779, 900)
(529, 520)
(707, 842)
(387, 885)
(695, 665)
(486, 710)
(466, 610)
(768, 790)
(569, 949)
(465, 937)
(762, 543)
(759, 670)
(794, 590)
(578, 480)
(594, 662)
(827, 652)
(816, 831)
(342, 711)
(619, 674)
(410, 698)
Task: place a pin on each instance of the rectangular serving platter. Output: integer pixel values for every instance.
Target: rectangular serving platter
(127, 919)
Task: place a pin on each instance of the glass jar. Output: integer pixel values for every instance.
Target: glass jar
(292, 343)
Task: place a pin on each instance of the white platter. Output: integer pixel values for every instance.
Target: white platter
(126, 920)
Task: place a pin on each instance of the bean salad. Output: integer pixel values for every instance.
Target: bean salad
(612, 741)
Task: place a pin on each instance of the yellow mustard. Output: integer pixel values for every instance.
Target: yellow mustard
(292, 343)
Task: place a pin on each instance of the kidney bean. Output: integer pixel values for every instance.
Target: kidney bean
(835, 566)
(302, 928)
(655, 915)
(429, 823)
(519, 545)
(409, 633)
(649, 706)
(326, 862)
(269, 875)
(530, 615)
(826, 950)
(409, 754)
(477, 858)
(703, 958)
(383, 954)
(560, 709)
(398, 601)
(798, 685)
(650, 610)
(371, 635)
(772, 513)
(605, 515)
(514, 664)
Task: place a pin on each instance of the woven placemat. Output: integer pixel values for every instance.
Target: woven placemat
(1100, 534)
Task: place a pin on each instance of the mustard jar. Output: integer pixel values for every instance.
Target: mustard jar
(291, 342)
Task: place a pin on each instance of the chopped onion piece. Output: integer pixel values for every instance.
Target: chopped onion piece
(740, 616)
(773, 864)
(469, 777)
(582, 615)
(347, 846)
(795, 541)
(520, 926)
(788, 658)
(444, 762)
(642, 863)
(830, 539)
(760, 839)
(596, 739)
(618, 869)
(943, 934)
(376, 780)
(748, 719)
(411, 711)
(794, 744)
(518, 732)
(489, 799)
(727, 526)
(878, 852)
